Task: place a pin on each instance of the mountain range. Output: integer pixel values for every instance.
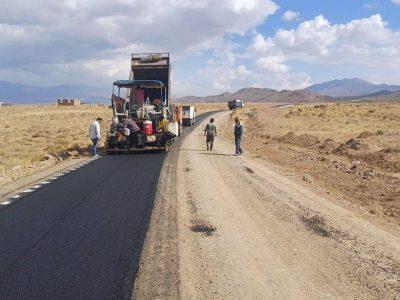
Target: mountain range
(261, 95)
(20, 93)
(354, 87)
(335, 90)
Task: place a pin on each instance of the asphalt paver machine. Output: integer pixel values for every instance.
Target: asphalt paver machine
(143, 117)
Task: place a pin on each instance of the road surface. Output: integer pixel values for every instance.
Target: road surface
(80, 236)
(237, 228)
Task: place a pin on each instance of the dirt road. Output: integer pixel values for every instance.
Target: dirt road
(243, 231)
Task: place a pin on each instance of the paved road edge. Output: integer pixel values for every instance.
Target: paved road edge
(158, 276)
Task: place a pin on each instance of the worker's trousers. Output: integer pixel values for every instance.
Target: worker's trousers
(238, 147)
(94, 148)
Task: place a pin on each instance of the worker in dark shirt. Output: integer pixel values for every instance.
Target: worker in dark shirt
(238, 133)
(131, 125)
(133, 130)
(210, 132)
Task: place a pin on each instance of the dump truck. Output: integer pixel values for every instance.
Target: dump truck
(233, 104)
(189, 115)
(144, 118)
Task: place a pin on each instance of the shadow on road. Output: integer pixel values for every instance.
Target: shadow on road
(80, 236)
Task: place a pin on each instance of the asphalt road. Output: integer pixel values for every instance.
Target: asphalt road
(81, 236)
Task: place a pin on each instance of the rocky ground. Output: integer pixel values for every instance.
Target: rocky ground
(352, 151)
(229, 227)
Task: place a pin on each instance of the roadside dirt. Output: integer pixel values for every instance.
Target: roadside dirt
(245, 231)
(349, 150)
(273, 238)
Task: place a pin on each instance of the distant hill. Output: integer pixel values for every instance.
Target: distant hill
(255, 94)
(19, 93)
(350, 88)
(300, 96)
(383, 93)
(382, 96)
(261, 95)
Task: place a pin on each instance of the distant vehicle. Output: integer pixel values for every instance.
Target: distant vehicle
(232, 104)
(189, 115)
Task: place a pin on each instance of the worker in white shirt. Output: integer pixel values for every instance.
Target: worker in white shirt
(94, 134)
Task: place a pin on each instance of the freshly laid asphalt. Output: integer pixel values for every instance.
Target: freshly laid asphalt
(80, 237)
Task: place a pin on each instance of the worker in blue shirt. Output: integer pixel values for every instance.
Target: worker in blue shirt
(238, 132)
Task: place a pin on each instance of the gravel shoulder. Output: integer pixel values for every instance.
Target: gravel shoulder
(243, 230)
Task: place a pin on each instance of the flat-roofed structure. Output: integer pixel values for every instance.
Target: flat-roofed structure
(68, 101)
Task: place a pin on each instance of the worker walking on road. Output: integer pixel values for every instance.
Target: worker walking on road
(210, 132)
(94, 134)
(238, 133)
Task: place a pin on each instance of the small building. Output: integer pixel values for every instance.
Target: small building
(68, 102)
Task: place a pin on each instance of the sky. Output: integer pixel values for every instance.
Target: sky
(215, 45)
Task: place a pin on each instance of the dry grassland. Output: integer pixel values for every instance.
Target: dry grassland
(204, 107)
(29, 133)
(35, 137)
(351, 150)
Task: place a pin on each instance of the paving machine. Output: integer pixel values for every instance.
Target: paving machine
(143, 117)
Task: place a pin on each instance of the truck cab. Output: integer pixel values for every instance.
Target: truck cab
(233, 104)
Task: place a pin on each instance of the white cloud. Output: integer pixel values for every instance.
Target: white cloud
(365, 41)
(222, 72)
(42, 33)
(310, 38)
(259, 65)
(273, 63)
(45, 42)
(371, 5)
(289, 16)
(368, 43)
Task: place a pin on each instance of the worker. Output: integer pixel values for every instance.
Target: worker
(210, 132)
(114, 125)
(94, 134)
(130, 124)
(139, 95)
(119, 103)
(133, 130)
(238, 133)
